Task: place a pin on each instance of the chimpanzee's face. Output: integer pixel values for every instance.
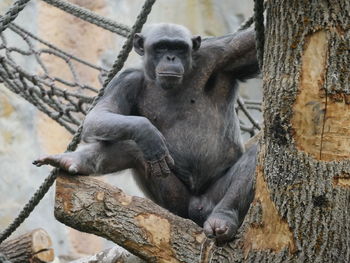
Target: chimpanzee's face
(167, 51)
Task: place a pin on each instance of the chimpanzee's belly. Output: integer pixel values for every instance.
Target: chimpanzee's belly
(201, 151)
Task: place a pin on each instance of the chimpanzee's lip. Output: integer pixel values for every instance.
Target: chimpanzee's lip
(169, 74)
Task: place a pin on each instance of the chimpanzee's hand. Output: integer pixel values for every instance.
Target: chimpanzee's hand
(161, 167)
(159, 163)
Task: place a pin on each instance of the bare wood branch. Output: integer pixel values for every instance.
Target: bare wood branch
(32, 247)
(111, 255)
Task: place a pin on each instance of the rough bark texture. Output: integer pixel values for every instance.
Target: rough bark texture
(301, 209)
(32, 247)
(112, 255)
(305, 158)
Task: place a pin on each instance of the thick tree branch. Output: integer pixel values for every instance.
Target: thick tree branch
(137, 224)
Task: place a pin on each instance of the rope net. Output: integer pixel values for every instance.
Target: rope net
(63, 100)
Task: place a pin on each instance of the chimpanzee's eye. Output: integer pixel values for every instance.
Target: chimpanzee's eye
(161, 48)
(181, 49)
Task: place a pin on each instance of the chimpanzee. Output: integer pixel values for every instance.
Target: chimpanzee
(174, 122)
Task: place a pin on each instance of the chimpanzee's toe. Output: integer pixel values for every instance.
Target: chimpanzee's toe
(62, 161)
(53, 160)
(220, 226)
(37, 162)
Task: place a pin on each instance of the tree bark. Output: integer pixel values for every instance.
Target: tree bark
(304, 159)
(112, 255)
(301, 208)
(32, 247)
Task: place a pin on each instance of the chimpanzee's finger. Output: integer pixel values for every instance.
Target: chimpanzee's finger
(170, 161)
(154, 169)
(165, 168)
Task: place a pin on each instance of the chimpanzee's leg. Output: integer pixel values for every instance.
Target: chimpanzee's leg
(168, 192)
(224, 205)
(108, 157)
(97, 157)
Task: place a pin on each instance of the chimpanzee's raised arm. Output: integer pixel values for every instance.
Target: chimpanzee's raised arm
(235, 53)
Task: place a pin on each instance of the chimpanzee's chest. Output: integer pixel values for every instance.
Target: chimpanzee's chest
(198, 125)
(189, 106)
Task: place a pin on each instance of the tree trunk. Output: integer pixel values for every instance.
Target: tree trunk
(304, 177)
(301, 208)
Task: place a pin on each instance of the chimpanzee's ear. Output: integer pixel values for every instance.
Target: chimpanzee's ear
(138, 44)
(196, 42)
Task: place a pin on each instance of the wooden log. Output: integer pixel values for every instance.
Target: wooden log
(32, 247)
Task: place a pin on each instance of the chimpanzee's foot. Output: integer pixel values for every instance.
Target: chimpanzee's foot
(221, 226)
(66, 161)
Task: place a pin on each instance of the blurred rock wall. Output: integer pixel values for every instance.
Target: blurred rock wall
(26, 133)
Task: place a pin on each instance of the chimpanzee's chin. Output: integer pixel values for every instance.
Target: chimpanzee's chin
(169, 83)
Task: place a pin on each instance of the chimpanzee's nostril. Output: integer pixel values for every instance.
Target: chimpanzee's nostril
(170, 58)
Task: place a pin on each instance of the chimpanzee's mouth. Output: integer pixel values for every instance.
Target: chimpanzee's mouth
(170, 74)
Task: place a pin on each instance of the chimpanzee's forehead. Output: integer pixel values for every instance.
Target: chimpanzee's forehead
(155, 32)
